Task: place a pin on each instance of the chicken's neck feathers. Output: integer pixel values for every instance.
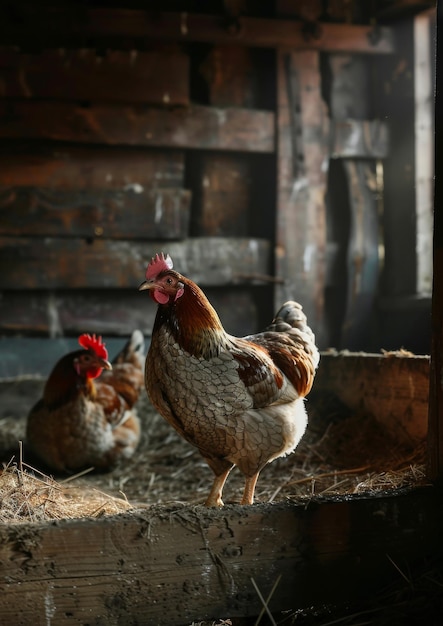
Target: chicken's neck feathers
(193, 322)
(64, 384)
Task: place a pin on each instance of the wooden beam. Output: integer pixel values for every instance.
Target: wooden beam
(66, 166)
(223, 185)
(83, 75)
(46, 263)
(63, 313)
(55, 24)
(302, 163)
(424, 51)
(231, 76)
(130, 213)
(199, 127)
(146, 566)
(395, 90)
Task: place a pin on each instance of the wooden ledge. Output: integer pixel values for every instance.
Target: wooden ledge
(171, 565)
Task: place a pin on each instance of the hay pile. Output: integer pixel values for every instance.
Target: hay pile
(29, 495)
(341, 454)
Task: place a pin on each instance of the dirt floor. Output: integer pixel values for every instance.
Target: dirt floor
(341, 453)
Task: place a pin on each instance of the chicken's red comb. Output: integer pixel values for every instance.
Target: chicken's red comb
(158, 264)
(93, 343)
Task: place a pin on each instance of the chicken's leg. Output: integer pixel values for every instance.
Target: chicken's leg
(215, 496)
(248, 493)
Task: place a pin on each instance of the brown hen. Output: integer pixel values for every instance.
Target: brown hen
(238, 400)
(80, 422)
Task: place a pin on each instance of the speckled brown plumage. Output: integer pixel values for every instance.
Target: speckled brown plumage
(238, 400)
(81, 422)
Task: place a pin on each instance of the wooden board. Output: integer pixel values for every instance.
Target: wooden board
(46, 263)
(179, 564)
(106, 24)
(395, 86)
(424, 89)
(84, 75)
(106, 312)
(231, 76)
(223, 186)
(77, 167)
(302, 162)
(195, 126)
(131, 213)
(393, 388)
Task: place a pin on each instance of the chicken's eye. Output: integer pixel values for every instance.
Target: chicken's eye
(169, 281)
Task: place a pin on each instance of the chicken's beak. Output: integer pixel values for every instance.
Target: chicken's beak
(148, 284)
(105, 364)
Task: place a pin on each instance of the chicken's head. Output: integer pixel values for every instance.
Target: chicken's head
(91, 362)
(165, 286)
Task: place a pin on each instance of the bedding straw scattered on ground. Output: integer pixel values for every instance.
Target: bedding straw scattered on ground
(341, 454)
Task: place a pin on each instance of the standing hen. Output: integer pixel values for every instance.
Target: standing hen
(239, 401)
(81, 423)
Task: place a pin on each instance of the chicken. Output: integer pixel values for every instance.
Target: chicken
(80, 422)
(238, 400)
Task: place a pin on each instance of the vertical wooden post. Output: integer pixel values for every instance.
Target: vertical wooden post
(397, 107)
(424, 146)
(435, 428)
(302, 164)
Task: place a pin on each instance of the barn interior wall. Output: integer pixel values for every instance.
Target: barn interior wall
(113, 149)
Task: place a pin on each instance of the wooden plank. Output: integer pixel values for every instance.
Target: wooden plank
(130, 213)
(223, 194)
(146, 567)
(380, 386)
(424, 51)
(395, 89)
(223, 182)
(27, 362)
(231, 76)
(190, 127)
(155, 77)
(46, 263)
(302, 168)
(77, 167)
(63, 313)
(61, 24)
(359, 139)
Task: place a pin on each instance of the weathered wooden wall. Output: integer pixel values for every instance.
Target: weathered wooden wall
(93, 179)
(253, 145)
